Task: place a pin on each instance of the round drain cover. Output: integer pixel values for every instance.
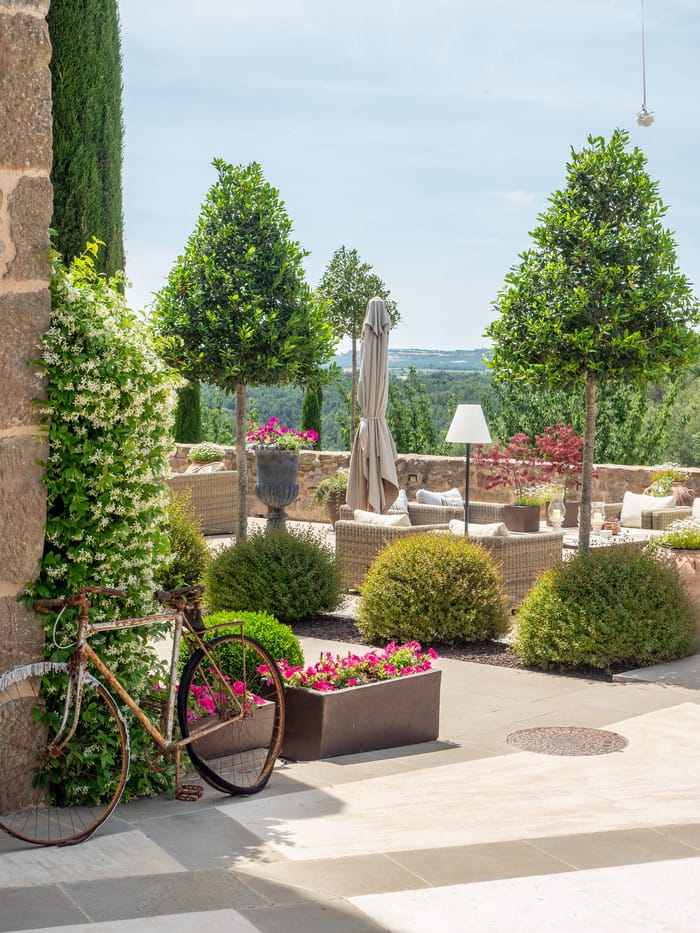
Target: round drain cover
(567, 740)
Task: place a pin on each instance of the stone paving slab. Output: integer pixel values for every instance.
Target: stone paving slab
(658, 897)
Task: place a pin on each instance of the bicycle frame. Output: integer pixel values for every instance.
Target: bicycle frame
(84, 653)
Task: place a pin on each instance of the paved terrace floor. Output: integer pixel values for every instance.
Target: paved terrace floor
(467, 833)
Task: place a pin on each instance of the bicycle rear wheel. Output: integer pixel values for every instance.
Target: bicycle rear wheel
(52, 795)
(237, 758)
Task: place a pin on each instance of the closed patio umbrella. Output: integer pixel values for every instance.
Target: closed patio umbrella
(372, 481)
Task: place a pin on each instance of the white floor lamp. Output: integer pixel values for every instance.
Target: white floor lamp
(468, 427)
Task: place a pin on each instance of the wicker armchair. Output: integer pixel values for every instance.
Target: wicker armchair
(520, 557)
(483, 513)
(214, 498)
(652, 521)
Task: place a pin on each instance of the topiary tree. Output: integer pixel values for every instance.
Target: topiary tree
(88, 129)
(107, 415)
(599, 298)
(435, 589)
(345, 288)
(613, 606)
(237, 302)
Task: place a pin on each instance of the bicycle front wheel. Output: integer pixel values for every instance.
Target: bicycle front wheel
(53, 793)
(223, 685)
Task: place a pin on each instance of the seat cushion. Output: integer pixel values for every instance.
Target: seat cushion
(394, 519)
(450, 497)
(400, 504)
(633, 504)
(491, 530)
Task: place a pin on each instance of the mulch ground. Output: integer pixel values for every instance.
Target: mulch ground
(344, 629)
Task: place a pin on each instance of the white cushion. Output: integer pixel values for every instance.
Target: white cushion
(375, 518)
(452, 497)
(490, 530)
(696, 509)
(633, 504)
(400, 503)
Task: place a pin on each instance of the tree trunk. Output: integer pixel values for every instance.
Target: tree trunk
(353, 390)
(584, 531)
(241, 463)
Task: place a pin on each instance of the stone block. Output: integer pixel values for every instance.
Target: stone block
(23, 316)
(25, 90)
(23, 511)
(30, 207)
(22, 634)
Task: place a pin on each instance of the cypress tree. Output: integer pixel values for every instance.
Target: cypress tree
(311, 411)
(86, 79)
(188, 415)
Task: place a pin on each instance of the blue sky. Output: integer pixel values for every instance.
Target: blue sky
(428, 136)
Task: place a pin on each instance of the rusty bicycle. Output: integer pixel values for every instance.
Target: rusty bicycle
(64, 741)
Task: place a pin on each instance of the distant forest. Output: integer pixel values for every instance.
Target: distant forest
(644, 425)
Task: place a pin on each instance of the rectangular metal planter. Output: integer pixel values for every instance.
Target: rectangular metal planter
(384, 714)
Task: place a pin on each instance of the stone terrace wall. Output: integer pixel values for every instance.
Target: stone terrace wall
(26, 207)
(436, 473)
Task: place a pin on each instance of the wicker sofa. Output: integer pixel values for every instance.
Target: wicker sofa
(521, 557)
(214, 498)
(652, 521)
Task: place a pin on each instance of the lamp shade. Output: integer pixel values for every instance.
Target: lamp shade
(468, 426)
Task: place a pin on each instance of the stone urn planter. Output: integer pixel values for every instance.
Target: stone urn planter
(522, 517)
(276, 484)
(381, 714)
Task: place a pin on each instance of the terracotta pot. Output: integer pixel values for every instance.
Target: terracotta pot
(687, 563)
(385, 714)
(333, 504)
(522, 517)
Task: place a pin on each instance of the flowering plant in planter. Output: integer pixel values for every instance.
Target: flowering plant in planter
(205, 703)
(335, 673)
(560, 449)
(515, 464)
(274, 434)
(683, 534)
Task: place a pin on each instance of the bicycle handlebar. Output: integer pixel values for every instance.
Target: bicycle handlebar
(45, 605)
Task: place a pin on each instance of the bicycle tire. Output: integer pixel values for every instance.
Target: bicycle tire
(58, 798)
(238, 758)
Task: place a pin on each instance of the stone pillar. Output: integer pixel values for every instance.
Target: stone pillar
(26, 207)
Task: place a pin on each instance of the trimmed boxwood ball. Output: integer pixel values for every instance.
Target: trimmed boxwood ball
(279, 639)
(615, 606)
(293, 575)
(436, 589)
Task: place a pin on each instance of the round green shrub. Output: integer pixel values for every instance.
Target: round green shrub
(189, 554)
(278, 638)
(436, 589)
(615, 606)
(292, 575)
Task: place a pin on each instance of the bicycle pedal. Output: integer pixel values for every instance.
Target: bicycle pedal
(189, 792)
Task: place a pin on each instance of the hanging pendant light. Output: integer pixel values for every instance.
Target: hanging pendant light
(644, 117)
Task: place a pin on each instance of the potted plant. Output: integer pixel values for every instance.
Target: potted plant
(669, 480)
(205, 453)
(561, 451)
(515, 464)
(679, 547)
(345, 705)
(330, 494)
(277, 463)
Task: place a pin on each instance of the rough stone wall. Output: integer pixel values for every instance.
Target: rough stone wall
(26, 207)
(417, 472)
